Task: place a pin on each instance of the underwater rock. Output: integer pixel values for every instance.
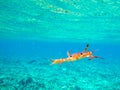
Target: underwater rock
(6, 82)
(29, 80)
(41, 85)
(1, 81)
(77, 88)
(25, 81)
(31, 61)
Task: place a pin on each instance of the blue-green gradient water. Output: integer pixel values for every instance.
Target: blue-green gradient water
(34, 32)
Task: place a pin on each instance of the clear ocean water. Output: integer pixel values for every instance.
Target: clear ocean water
(34, 32)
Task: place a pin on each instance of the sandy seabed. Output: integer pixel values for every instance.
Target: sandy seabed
(36, 73)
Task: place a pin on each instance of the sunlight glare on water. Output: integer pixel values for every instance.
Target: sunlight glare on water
(66, 20)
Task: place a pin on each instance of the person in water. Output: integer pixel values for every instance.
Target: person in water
(76, 56)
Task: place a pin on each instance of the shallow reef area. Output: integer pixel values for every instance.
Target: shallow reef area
(21, 73)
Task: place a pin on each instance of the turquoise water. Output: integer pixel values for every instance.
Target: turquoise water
(33, 32)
